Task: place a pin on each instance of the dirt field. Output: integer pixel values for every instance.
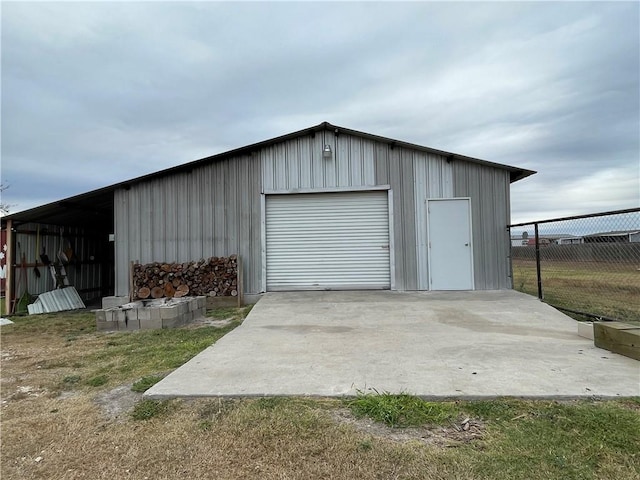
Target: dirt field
(609, 289)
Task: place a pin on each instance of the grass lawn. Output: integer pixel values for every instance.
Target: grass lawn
(71, 408)
(600, 288)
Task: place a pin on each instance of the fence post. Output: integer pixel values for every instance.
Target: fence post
(540, 296)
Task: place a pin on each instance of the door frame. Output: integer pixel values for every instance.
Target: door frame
(470, 223)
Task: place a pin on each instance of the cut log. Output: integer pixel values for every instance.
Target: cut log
(157, 292)
(144, 292)
(181, 291)
(169, 291)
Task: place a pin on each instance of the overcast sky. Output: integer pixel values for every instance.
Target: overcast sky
(97, 93)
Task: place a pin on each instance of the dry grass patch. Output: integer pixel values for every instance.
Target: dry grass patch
(609, 289)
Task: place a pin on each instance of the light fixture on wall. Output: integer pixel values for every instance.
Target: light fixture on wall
(326, 152)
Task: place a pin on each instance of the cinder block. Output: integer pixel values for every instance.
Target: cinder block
(114, 302)
(103, 326)
(144, 314)
(187, 318)
(202, 301)
(183, 308)
(174, 322)
(133, 324)
(168, 313)
(132, 314)
(585, 329)
(155, 314)
(150, 323)
(193, 305)
(101, 316)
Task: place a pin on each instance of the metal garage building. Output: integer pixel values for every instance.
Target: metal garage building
(322, 208)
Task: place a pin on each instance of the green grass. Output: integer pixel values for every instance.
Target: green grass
(145, 383)
(527, 439)
(224, 313)
(147, 409)
(148, 352)
(110, 358)
(64, 324)
(558, 440)
(98, 381)
(400, 410)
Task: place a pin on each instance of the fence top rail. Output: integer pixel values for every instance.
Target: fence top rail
(575, 217)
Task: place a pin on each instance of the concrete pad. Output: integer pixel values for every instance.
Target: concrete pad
(431, 344)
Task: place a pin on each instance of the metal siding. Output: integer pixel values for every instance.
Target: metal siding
(433, 179)
(212, 211)
(488, 189)
(327, 241)
(407, 203)
(298, 163)
(83, 275)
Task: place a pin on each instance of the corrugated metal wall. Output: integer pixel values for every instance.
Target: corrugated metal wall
(216, 209)
(84, 271)
(213, 210)
(298, 163)
(488, 189)
(414, 177)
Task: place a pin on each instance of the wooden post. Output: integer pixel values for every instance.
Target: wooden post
(10, 271)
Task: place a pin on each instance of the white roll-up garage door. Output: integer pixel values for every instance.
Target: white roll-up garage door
(327, 241)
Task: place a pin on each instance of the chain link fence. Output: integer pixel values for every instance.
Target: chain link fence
(587, 265)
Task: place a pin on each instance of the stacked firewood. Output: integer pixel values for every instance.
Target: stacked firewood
(215, 276)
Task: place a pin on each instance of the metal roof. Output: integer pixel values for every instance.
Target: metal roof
(616, 233)
(94, 209)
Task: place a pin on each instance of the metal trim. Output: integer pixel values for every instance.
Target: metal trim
(263, 242)
(293, 191)
(392, 247)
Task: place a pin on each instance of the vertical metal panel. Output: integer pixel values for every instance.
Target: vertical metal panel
(298, 163)
(433, 179)
(488, 189)
(214, 210)
(395, 166)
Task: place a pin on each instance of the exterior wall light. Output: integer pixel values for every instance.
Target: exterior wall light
(326, 152)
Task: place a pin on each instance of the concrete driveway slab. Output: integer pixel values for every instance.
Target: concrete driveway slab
(431, 344)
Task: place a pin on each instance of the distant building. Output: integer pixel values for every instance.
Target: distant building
(620, 236)
(545, 239)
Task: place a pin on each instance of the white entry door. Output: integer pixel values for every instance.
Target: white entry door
(450, 246)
